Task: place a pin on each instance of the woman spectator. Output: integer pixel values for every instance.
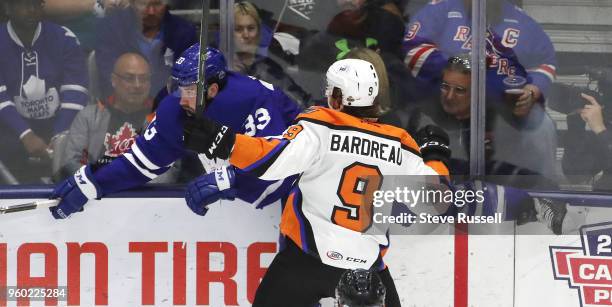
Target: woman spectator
(251, 38)
(369, 55)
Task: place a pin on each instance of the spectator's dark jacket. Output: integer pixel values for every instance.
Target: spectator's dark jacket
(267, 70)
(604, 140)
(587, 154)
(118, 33)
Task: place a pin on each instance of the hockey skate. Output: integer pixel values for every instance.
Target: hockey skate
(551, 213)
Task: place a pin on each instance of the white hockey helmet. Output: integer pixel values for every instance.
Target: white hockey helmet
(357, 79)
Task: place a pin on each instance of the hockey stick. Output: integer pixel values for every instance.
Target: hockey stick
(201, 95)
(28, 206)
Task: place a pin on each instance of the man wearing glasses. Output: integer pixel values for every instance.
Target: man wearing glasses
(145, 27)
(452, 113)
(515, 45)
(508, 171)
(103, 131)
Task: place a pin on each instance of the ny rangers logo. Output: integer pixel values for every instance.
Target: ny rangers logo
(303, 8)
(588, 268)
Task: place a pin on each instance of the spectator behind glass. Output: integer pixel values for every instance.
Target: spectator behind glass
(43, 82)
(103, 131)
(368, 55)
(250, 57)
(146, 27)
(247, 35)
(80, 16)
(377, 25)
(508, 151)
(516, 45)
(590, 152)
(373, 24)
(370, 19)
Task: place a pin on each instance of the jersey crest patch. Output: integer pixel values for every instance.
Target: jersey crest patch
(120, 142)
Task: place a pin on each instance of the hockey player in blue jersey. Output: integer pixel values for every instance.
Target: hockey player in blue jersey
(516, 45)
(243, 103)
(43, 80)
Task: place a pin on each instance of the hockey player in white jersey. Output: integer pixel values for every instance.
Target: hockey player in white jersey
(324, 215)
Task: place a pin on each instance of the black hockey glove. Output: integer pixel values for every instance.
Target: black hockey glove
(203, 135)
(433, 142)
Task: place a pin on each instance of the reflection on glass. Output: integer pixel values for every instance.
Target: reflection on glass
(252, 40)
(519, 134)
(43, 84)
(105, 130)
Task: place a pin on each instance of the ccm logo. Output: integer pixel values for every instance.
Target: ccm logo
(355, 260)
(334, 255)
(217, 140)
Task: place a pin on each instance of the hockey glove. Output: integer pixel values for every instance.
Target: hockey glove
(433, 142)
(210, 188)
(74, 193)
(208, 137)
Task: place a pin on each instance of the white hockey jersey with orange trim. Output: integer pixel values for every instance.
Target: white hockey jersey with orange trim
(339, 159)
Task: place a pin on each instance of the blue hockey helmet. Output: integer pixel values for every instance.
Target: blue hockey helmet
(185, 68)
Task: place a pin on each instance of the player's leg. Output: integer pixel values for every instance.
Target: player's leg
(290, 280)
(392, 297)
(517, 205)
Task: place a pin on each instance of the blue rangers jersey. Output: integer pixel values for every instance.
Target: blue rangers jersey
(48, 80)
(516, 45)
(247, 105)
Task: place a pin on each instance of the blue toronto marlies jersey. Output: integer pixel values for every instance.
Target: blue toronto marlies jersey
(516, 45)
(247, 105)
(47, 80)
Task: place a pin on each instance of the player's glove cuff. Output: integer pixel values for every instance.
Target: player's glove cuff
(225, 177)
(433, 143)
(85, 181)
(210, 188)
(435, 151)
(74, 193)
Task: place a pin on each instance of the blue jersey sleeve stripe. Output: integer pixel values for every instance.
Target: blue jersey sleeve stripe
(136, 165)
(74, 97)
(72, 106)
(143, 158)
(74, 87)
(5, 104)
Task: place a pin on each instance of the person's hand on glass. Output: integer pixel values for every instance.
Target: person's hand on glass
(592, 114)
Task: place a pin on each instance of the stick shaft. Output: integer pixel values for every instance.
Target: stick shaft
(201, 97)
(28, 206)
